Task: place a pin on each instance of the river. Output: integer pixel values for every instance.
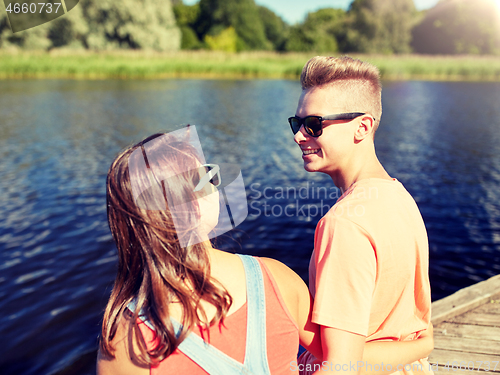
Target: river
(58, 138)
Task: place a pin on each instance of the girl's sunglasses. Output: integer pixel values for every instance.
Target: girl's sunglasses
(314, 124)
(210, 173)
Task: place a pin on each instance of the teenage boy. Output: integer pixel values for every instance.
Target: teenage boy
(369, 268)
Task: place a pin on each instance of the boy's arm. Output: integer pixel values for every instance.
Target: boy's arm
(346, 270)
(342, 351)
(396, 353)
(389, 353)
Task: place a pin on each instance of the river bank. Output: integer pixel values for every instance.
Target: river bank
(72, 64)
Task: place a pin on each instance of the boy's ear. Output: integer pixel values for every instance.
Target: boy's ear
(364, 129)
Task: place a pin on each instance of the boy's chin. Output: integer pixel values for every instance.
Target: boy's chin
(316, 168)
(310, 167)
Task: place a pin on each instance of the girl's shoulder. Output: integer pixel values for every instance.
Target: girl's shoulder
(293, 289)
(121, 363)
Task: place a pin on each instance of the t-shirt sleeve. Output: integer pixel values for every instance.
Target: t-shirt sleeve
(346, 267)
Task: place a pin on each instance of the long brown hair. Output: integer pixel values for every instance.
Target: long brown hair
(153, 268)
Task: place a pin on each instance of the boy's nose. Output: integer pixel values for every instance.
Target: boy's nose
(301, 135)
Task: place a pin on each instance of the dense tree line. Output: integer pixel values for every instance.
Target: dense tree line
(102, 25)
(368, 26)
(459, 27)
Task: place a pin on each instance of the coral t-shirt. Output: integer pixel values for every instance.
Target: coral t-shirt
(369, 269)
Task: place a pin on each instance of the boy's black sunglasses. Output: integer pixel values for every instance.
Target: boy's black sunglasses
(314, 124)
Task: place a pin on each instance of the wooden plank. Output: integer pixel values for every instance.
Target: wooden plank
(480, 345)
(465, 299)
(474, 318)
(475, 360)
(450, 371)
(489, 307)
(468, 331)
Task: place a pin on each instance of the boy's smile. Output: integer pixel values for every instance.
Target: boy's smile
(309, 151)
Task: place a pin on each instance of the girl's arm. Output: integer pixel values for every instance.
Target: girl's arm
(299, 303)
(121, 363)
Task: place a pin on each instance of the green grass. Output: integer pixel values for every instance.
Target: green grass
(445, 68)
(204, 64)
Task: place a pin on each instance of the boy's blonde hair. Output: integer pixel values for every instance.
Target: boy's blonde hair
(358, 81)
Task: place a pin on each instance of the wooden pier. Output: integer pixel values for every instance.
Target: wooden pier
(467, 331)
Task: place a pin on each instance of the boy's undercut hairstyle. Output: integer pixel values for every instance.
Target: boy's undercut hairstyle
(359, 82)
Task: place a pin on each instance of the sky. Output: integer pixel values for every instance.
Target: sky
(294, 11)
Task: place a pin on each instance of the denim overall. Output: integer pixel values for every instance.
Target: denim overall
(211, 359)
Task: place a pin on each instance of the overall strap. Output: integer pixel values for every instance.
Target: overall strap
(207, 356)
(132, 306)
(211, 359)
(256, 346)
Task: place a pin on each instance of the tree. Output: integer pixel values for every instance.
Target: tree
(380, 26)
(320, 32)
(103, 24)
(226, 41)
(243, 15)
(35, 38)
(69, 30)
(275, 29)
(130, 24)
(186, 17)
(459, 27)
